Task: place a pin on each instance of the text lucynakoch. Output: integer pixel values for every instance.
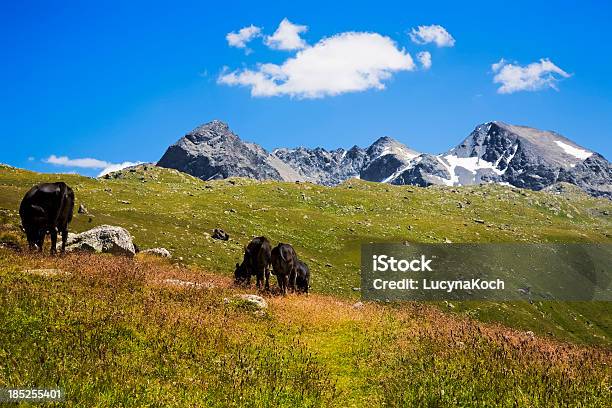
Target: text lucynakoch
(438, 285)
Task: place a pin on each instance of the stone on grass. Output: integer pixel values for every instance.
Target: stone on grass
(47, 273)
(254, 301)
(218, 233)
(161, 252)
(103, 239)
(82, 209)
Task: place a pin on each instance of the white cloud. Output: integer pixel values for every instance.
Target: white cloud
(496, 66)
(243, 36)
(89, 163)
(346, 62)
(117, 167)
(532, 77)
(287, 37)
(432, 34)
(424, 58)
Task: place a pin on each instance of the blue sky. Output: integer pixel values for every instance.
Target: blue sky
(119, 82)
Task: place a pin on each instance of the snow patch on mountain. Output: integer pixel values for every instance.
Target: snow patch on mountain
(574, 151)
(411, 164)
(399, 151)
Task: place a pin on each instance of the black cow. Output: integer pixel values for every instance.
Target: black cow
(302, 277)
(256, 262)
(47, 208)
(284, 261)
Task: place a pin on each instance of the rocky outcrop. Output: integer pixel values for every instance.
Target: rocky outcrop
(426, 170)
(593, 175)
(376, 163)
(102, 239)
(321, 166)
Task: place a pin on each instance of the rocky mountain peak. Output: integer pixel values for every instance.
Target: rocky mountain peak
(213, 151)
(493, 152)
(384, 140)
(386, 157)
(215, 129)
(215, 125)
(387, 145)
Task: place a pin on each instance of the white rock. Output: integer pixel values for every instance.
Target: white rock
(254, 300)
(105, 239)
(47, 273)
(163, 252)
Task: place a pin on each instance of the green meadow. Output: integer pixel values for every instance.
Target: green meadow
(110, 332)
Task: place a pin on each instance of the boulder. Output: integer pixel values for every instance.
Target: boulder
(104, 239)
(162, 252)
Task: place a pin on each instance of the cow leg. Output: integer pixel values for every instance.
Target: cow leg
(259, 279)
(53, 233)
(64, 239)
(267, 278)
(285, 284)
(41, 242)
(292, 280)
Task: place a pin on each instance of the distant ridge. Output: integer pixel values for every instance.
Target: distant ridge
(494, 152)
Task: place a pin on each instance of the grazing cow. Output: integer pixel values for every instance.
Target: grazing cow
(302, 277)
(256, 262)
(47, 208)
(284, 260)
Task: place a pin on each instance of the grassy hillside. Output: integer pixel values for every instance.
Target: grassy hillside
(111, 331)
(163, 207)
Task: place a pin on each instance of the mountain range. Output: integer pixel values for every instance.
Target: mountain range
(496, 152)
